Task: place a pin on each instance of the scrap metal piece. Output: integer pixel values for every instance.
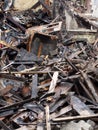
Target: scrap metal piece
(10, 18)
(46, 29)
(43, 30)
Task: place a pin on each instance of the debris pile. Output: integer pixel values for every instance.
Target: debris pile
(48, 66)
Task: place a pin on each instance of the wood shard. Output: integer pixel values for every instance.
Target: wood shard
(90, 86)
(34, 86)
(53, 82)
(80, 107)
(61, 112)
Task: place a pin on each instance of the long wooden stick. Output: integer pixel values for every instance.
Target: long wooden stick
(47, 118)
(74, 118)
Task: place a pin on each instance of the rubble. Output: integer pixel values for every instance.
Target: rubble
(48, 65)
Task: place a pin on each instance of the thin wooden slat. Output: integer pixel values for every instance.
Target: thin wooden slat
(80, 107)
(70, 118)
(47, 118)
